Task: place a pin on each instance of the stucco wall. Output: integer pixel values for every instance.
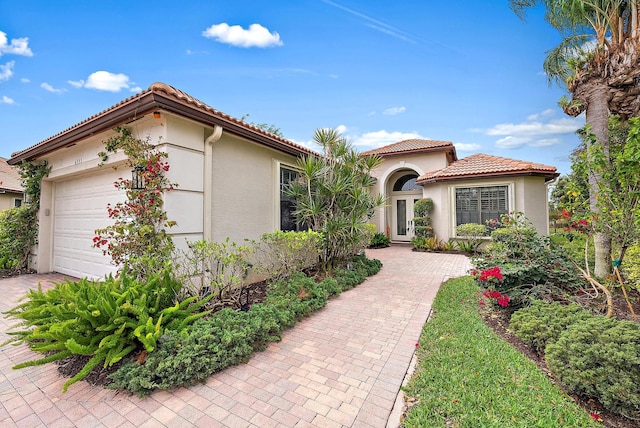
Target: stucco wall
(529, 195)
(7, 200)
(245, 193)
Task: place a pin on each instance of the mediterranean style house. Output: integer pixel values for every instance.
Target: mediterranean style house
(230, 176)
(11, 192)
(469, 190)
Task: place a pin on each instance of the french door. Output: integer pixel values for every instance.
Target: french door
(402, 227)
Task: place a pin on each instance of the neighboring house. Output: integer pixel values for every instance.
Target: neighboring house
(230, 175)
(470, 190)
(11, 192)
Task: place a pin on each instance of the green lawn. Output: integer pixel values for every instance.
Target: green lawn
(468, 377)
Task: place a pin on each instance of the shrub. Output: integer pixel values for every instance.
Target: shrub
(631, 266)
(213, 268)
(600, 358)
(229, 337)
(423, 207)
(429, 243)
(104, 320)
(279, 254)
(531, 267)
(542, 323)
(379, 240)
(422, 221)
(471, 230)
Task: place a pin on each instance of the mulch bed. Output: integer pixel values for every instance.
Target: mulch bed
(9, 273)
(499, 323)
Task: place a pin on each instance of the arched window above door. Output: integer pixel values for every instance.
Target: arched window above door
(406, 183)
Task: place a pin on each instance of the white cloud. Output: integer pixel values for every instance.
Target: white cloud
(382, 138)
(392, 111)
(6, 100)
(511, 142)
(467, 147)
(105, 81)
(536, 116)
(235, 35)
(25, 80)
(6, 70)
(16, 47)
(76, 83)
(537, 128)
(341, 129)
(49, 88)
(545, 142)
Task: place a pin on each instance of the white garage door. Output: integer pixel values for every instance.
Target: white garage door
(80, 207)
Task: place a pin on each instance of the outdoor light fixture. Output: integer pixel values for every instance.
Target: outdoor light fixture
(137, 178)
(156, 115)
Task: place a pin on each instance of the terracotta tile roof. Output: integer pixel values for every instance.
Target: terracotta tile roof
(485, 166)
(10, 179)
(159, 96)
(412, 146)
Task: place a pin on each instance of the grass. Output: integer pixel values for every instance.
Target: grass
(468, 377)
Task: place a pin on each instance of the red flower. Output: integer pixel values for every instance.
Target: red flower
(565, 213)
(503, 300)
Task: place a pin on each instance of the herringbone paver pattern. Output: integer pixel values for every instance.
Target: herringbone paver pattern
(341, 367)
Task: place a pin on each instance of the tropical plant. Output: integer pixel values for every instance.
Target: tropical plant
(332, 196)
(379, 240)
(598, 62)
(19, 225)
(104, 320)
(138, 237)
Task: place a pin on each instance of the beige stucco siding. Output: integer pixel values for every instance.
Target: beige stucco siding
(245, 194)
(7, 200)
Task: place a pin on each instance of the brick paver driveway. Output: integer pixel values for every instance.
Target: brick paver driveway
(342, 366)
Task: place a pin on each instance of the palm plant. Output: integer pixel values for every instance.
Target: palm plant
(598, 62)
(332, 196)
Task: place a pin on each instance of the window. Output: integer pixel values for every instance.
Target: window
(479, 204)
(406, 183)
(287, 203)
(17, 202)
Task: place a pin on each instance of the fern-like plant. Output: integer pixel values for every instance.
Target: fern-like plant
(104, 320)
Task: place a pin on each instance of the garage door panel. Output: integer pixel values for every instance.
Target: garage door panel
(80, 207)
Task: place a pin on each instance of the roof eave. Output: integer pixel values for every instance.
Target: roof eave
(548, 176)
(138, 107)
(418, 151)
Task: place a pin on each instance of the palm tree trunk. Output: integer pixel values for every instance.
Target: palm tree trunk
(597, 96)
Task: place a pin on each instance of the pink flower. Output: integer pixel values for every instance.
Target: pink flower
(417, 345)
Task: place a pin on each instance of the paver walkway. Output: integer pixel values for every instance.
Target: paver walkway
(341, 367)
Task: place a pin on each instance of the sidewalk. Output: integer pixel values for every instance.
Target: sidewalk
(341, 367)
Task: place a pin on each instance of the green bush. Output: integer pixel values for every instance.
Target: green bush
(379, 240)
(18, 233)
(229, 337)
(422, 221)
(531, 267)
(471, 230)
(631, 266)
(104, 320)
(542, 323)
(279, 253)
(600, 358)
(424, 231)
(423, 207)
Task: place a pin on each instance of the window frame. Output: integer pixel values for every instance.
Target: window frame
(279, 165)
(511, 198)
(15, 202)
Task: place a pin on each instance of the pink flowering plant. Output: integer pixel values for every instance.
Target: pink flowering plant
(137, 238)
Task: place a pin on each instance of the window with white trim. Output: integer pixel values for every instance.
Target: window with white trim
(287, 203)
(17, 202)
(479, 204)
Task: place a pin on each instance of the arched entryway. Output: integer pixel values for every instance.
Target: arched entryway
(403, 192)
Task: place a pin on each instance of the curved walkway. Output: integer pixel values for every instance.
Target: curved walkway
(341, 367)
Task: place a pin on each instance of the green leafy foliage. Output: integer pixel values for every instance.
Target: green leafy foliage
(631, 266)
(471, 233)
(422, 220)
(531, 267)
(106, 320)
(213, 268)
(600, 357)
(19, 225)
(332, 197)
(542, 323)
(279, 253)
(380, 240)
(229, 337)
(138, 237)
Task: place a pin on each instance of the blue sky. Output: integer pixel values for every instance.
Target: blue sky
(469, 72)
